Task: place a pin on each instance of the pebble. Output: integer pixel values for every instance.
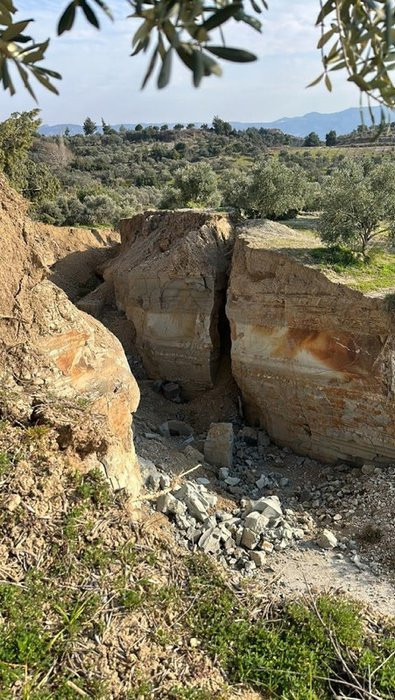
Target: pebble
(13, 502)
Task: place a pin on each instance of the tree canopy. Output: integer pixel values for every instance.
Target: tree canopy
(358, 204)
(357, 37)
(270, 189)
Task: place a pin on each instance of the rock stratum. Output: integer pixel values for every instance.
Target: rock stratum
(59, 366)
(313, 359)
(170, 280)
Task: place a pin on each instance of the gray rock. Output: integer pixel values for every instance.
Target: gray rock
(256, 522)
(259, 558)
(223, 473)
(218, 447)
(209, 542)
(298, 533)
(249, 567)
(150, 474)
(164, 481)
(210, 522)
(168, 504)
(327, 540)
(157, 386)
(269, 506)
(223, 516)
(249, 435)
(263, 482)
(184, 522)
(175, 428)
(368, 469)
(232, 480)
(196, 501)
(171, 391)
(249, 539)
(194, 454)
(202, 480)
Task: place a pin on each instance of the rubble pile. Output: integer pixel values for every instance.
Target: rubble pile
(258, 522)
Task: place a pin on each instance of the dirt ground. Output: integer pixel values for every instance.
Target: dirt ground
(366, 504)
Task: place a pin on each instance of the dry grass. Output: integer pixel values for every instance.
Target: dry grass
(96, 602)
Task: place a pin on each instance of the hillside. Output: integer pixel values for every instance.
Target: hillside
(172, 576)
(343, 122)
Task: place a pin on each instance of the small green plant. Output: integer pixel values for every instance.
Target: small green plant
(93, 487)
(35, 434)
(142, 691)
(130, 599)
(5, 463)
(97, 556)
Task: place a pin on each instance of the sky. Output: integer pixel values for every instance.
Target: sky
(100, 79)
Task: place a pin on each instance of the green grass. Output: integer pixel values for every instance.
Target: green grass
(375, 273)
(94, 578)
(291, 655)
(5, 463)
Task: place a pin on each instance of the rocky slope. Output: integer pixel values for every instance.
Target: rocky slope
(58, 365)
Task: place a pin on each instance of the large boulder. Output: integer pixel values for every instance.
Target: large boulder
(314, 360)
(58, 365)
(170, 279)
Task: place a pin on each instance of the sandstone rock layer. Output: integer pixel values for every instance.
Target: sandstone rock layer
(314, 360)
(170, 279)
(58, 365)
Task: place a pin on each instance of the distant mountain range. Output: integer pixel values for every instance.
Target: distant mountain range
(342, 122)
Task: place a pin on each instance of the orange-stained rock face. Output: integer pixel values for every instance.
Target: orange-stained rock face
(58, 364)
(314, 360)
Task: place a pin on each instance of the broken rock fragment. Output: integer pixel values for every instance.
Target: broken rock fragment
(218, 447)
(327, 540)
(197, 500)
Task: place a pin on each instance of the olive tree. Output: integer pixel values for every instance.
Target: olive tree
(270, 190)
(17, 135)
(358, 205)
(194, 185)
(356, 37)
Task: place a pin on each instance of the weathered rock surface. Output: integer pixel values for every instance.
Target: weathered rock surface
(57, 364)
(314, 360)
(218, 446)
(170, 279)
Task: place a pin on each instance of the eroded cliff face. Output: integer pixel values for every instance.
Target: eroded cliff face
(170, 279)
(58, 365)
(314, 360)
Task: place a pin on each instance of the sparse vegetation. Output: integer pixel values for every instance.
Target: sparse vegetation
(373, 272)
(93, 591)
